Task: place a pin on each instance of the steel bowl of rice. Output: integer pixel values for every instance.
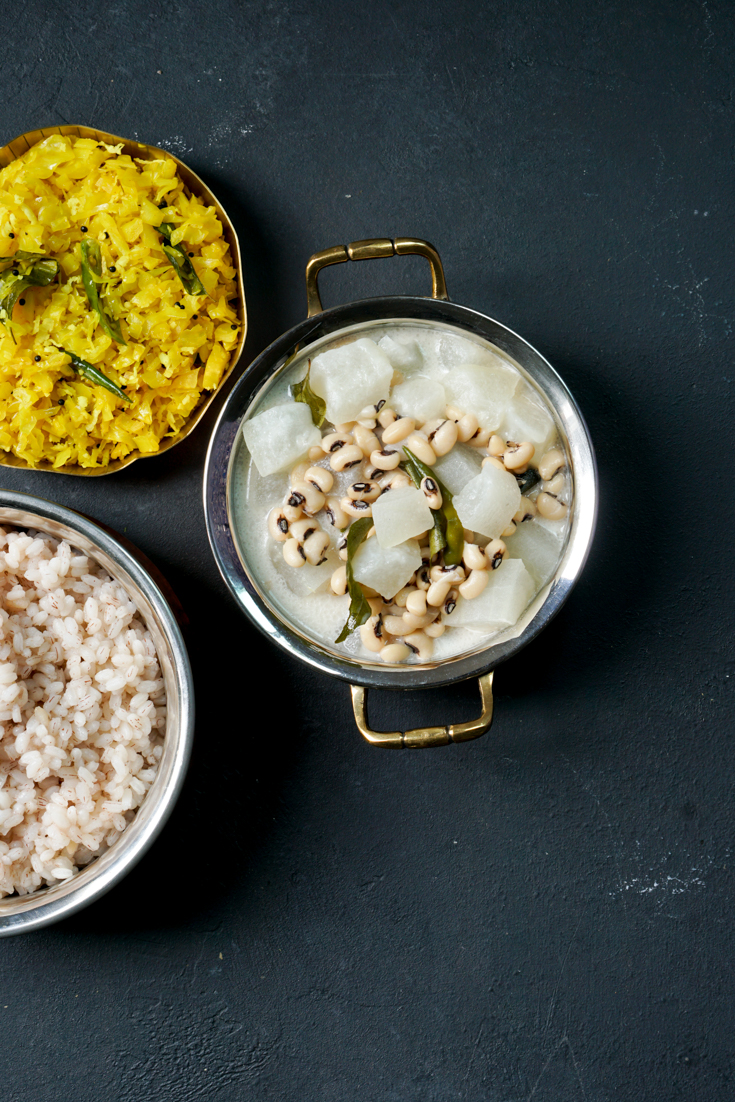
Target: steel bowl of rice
(96, 711)
(122, 310)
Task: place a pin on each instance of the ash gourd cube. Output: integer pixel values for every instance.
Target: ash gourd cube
(421, 398)
(486, 504)
(404, 355)
(386, 569)
(351, 377)
(280, 436)
(506, 595)
(484, 389)
(400, 515)
(526, 419)
(457, 467)
(537, 547)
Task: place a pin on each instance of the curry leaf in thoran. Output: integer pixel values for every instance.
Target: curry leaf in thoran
(359, 608)
(182, 265)
(91, 276)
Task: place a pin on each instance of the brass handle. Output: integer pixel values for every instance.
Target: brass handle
(426, 736)
(370, 250)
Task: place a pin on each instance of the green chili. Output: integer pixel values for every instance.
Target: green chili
(302, 392)
(359, 608)
(91, 276)
(93, 375)
(24, 270)
(180, 262)
(447, 534)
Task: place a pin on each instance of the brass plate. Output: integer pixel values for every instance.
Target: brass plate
(15, 149)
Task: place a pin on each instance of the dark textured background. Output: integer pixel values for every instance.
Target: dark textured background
(545, 914)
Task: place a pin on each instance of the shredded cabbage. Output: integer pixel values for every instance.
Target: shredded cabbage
(177, 345)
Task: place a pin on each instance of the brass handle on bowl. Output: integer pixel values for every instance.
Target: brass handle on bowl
(426, 736)
(369, 250)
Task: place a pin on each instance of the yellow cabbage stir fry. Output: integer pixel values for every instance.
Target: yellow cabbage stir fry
(118, 303)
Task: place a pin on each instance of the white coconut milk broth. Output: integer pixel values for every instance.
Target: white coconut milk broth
(302, 597)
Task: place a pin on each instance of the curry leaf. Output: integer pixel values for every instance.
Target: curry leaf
(182, 265)
(91, 276)
(302, 392)
(447, 534)
(93, 375)
(359, 608)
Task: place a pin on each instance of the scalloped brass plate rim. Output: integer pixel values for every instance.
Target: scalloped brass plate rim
(142, 150)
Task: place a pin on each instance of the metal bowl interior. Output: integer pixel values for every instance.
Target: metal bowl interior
(20, 913)
(223, 451)
(15, 149)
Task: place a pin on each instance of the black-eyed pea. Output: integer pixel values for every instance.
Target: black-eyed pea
(295, 511)
(496, 445)
(342, 548)
(369, 473)
(394, 481)
(395, 653)
(338, 581)
(364, 491)
(365, 439)
(453, 414)
(435, 630)
(493, 461)
(429, 427)
(555, 485)
(509, 530)
(293, 553)
(474, 585)
(394, 625)
(551, 463)
(438, 592)
(345, 427)
(481, 439)
(298, 472)
(451, 602)
(345, 458)
(526, 511)
(336, 515)
(371, 533)
(300, 530)
(423, 578)
(313, 499)
(421, 448)
(443, 438)
(397, 379)
(451, 574)
(355, 508)
(278, 525)
(420, 644)
(320, 478)
(551, 507)
(516, 457)
(315, 547)
(371, 634)
(398, 430)
(402, 596)
(466, 427)
(416, 602)
(473, 557)
(385, 459)
(377, 605)
(432, 493)
(316, 453)
(494, 553)
(333, 441)
(418, 623)
(386, 417)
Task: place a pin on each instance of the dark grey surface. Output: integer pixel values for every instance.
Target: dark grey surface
(545, 914)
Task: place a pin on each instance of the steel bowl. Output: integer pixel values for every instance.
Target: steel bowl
(20, 913)
(195, 186)
(257, 605)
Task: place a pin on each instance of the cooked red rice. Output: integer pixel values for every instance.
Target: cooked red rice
(82, 711)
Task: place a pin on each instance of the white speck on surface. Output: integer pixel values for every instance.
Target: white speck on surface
(175, 144)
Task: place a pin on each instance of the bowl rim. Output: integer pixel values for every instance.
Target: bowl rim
(15, 149)
(273, 359)
(20, 914)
